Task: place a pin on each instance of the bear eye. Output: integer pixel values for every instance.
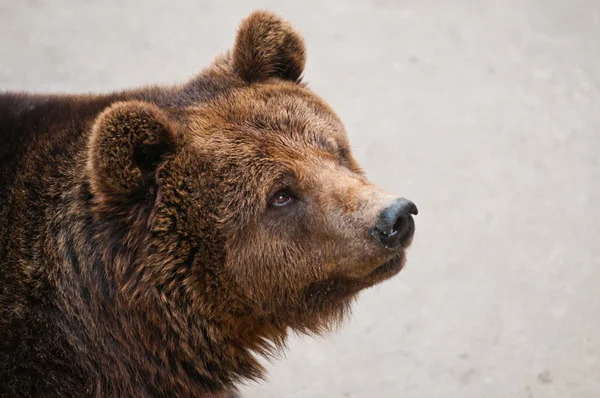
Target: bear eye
(281, 198)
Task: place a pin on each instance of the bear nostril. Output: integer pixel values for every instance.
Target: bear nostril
(398, 225)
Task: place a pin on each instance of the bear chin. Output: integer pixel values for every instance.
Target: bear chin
(388, 269)
(333, 296)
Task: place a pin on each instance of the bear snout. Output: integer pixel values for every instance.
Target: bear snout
(395, 224)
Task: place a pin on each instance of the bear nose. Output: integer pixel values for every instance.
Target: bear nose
(395, 224)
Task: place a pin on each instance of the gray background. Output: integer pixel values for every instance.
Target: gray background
(485, 113)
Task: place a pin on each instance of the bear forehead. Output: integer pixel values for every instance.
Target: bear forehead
(279, 114)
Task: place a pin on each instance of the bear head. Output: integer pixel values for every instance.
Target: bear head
(246, 208)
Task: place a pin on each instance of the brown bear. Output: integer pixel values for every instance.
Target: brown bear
(154, 242)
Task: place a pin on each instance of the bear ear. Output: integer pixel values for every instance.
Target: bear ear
(129, 141)
(267, 46)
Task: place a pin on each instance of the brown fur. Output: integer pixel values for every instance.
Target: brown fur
(139, 254)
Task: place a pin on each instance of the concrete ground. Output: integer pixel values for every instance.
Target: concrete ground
(484, 113)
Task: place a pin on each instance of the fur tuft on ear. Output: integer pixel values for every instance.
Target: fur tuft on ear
(129, 140)
(267, 46)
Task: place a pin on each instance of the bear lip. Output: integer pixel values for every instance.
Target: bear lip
(390, 268)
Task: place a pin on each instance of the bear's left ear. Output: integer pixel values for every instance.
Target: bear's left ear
(129, 141)
(267, 46)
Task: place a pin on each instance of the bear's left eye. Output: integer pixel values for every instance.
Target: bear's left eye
(281, 198)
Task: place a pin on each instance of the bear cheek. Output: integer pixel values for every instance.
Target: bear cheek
(267, 271)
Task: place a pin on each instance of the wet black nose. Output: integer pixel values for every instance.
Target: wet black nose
(395, 224)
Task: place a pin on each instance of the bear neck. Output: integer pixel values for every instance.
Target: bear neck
(134, 337)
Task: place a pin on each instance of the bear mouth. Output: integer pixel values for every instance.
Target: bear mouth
(390, 268)
(325, 293)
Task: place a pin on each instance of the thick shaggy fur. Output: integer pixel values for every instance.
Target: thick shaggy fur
(140, 255)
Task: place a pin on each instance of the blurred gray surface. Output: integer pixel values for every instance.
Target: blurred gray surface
(485, 113)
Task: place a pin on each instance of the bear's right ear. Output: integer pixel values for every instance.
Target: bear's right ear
(267, 46)
(129, 141)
